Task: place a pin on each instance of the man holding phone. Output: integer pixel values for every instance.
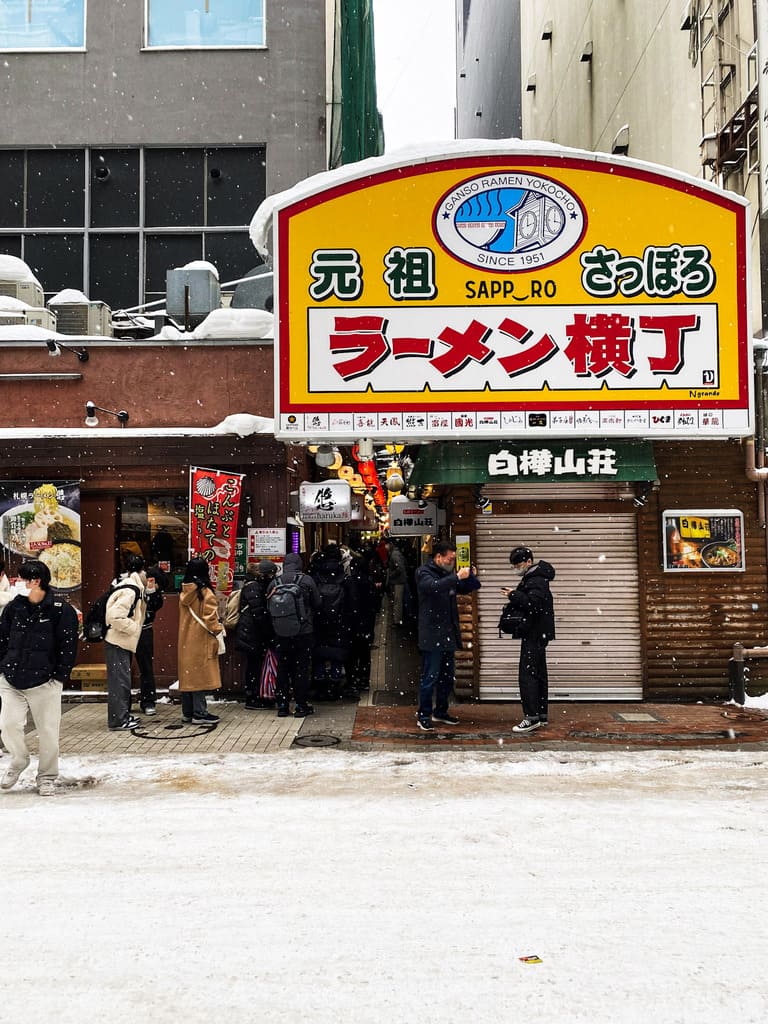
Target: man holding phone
(534, 600)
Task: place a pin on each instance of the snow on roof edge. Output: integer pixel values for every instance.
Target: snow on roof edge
(261, 222)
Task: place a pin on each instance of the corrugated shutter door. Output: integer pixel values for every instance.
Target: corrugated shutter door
(597, 653)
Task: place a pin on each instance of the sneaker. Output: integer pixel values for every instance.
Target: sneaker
(11, 776)
(45, 787)
(527, 725)
(205, 719)
(446, 719)
(425, 724)
(302, 710)
(185, 720)
(282, 711)
(148, 709)
(543, 720)
(128, 724)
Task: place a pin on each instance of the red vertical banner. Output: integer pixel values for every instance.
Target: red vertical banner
(214, 504)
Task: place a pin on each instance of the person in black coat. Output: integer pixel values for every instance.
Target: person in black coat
(38, 647)
(333, 628)
(437, 584)
(294, 653)
(363, 599)
(145, 649)
(254, 633)
(534, 599)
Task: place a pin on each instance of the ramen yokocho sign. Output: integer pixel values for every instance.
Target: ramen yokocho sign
(510, 292)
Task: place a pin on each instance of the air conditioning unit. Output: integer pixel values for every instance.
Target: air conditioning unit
(24, 316)
(83, 318)
(25, 291)
(191, 294)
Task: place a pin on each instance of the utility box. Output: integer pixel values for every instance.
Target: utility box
(89, 319)
(191, 294)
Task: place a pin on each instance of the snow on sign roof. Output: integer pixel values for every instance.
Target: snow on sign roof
(261, 224)
(14, 269)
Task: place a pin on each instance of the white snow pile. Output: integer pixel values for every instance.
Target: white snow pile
(14, 269)
(10, 305)
(27, 332)
(244, 424)
(201, 265)
(252, 324)
(71, 296)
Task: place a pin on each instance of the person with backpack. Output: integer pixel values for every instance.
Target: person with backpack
(333, 630)
(38, 647)
(198, 653)
(145, 649)
(254, 632)
(124, 616)
(292, 601)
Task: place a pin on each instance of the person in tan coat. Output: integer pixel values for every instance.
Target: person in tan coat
(198, 649)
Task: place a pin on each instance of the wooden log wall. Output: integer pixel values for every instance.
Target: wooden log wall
(692, 619)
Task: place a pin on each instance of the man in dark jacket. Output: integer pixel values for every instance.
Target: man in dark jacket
(437, 585)
(38, 646)
(294, 654)
(534, 599)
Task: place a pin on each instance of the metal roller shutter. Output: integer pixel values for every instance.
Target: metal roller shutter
(597, 653)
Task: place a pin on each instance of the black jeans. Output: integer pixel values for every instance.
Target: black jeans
(534, 681)
(145, 651)
(294, 668)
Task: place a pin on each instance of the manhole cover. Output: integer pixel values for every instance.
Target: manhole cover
(318, 739)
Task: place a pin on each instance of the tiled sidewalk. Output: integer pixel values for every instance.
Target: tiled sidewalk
(84, 731)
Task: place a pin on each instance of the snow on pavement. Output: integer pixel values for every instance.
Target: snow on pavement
(335, 886)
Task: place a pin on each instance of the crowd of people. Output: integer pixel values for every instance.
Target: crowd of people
(303, 634)
(327, 653)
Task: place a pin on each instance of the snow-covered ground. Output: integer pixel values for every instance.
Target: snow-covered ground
(329, 886)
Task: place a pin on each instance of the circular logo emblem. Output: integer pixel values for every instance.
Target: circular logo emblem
(506, 221)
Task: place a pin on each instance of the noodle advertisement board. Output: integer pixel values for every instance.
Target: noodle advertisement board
(510, 290)
(214, 508)
(704, 541)
(41, 519)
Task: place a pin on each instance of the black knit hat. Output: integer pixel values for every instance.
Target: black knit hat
(266, 567)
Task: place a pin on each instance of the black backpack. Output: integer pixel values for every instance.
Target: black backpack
(95, 621)
(286, 606)
(332, 595)
(513, 622)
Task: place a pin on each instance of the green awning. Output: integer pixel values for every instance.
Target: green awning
(533, 462)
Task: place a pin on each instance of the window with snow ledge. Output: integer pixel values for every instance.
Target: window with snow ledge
(199, 24)
(42, 25)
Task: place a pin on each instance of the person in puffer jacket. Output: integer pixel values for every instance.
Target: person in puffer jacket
(534, 599)
(126, 609)
(38, 647)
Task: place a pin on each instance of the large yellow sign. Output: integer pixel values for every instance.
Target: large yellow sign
(511, 293)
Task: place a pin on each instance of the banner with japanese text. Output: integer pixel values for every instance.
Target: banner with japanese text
(214, 505)
(511, 290)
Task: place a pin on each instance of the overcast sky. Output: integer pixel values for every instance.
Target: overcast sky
(415, 62)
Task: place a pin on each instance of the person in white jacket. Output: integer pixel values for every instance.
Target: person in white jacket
(124, 616)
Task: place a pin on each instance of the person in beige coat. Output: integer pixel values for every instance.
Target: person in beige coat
(198, 649)
(124, 616)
